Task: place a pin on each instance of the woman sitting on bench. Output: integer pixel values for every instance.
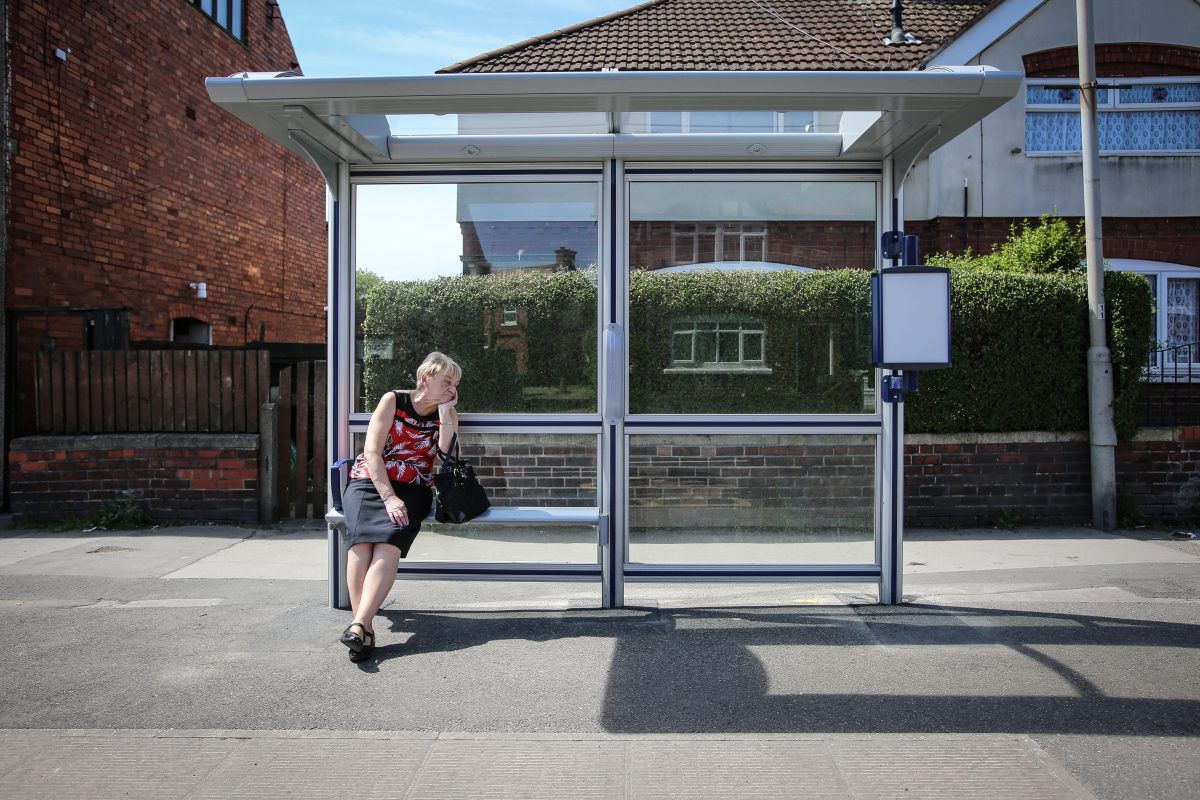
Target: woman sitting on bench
(390, 489)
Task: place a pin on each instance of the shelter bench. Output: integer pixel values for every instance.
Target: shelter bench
(502, 515)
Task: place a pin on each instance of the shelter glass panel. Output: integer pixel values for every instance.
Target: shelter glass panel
(499, 276)
(527, 124)
(732, 307)
(522, 470)
(760, 499)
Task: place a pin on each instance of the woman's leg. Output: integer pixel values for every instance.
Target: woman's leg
(381, 574)
(357, 562)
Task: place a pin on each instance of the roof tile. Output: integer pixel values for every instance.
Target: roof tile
(738, 35)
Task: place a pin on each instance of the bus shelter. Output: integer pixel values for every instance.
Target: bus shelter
(663, 382)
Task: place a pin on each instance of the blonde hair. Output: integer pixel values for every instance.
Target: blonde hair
(435, 363)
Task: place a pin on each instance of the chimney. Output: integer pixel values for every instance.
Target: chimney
(899, 35)
(564, 259)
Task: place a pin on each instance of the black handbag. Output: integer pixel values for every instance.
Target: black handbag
(459, 496)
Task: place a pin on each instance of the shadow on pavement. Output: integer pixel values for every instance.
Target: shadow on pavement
(687, 671)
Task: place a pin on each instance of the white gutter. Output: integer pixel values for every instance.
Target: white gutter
(607, 91)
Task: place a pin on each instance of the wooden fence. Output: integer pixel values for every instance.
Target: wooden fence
(196, 391)
(150, 391)
(300, 415)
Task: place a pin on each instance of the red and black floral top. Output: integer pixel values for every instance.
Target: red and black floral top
(410, 447)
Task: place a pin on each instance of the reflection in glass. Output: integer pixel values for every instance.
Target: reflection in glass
(735, 305)
(528, 124)
(752, 499)
(701, 122)
(500, 276)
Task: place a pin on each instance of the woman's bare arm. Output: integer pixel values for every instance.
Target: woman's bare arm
(377, 434)
(448, 422)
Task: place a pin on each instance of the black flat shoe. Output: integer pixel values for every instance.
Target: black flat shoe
(353, 640)
(366, 654)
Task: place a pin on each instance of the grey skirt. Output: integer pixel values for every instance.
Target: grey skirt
(367, 519)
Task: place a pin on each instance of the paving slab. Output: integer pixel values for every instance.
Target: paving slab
(415, 766)
(118, 555)
(967, 551)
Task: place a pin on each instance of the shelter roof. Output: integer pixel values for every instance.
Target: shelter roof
(899, 115)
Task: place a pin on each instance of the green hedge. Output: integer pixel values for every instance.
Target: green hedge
(1019, 349)
(818, 341)
(460, 315)
(1019, 344)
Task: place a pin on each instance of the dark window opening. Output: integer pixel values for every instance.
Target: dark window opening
(191, 331)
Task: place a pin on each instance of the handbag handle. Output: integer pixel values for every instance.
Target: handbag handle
(453, 450)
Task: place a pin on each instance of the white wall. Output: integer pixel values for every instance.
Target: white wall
(1003, 183)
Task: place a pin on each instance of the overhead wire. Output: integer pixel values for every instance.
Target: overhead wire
(763, 6)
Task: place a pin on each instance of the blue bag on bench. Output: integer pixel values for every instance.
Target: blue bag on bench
(460, 498)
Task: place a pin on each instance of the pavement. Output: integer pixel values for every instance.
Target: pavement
(198, 662)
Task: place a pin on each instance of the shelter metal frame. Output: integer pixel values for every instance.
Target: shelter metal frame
(889, 120)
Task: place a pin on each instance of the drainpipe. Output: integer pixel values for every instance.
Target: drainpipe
(1102, 432)
(966, 210)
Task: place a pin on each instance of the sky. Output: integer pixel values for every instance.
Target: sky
(406, 37)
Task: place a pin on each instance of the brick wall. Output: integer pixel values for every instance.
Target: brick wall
(524, 470)
(826, 483)
(127, 183)
(1175, 240)
(1119, 60)
(830, 244)
(808, 483)
(815, 482)
(971, 479)
(173, 477)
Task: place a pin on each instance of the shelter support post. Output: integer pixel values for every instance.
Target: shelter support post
(340, 358)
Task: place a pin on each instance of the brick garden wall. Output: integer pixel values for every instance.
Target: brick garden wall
(176, 477)
(814, 483)
(971, 479)
(525, 470)
(827, 483)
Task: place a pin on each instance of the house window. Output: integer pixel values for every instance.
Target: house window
(718, 345)
(685, 243)
(510, 317)
(230, 15)
(741, 241)
(1144, 116)
(1182, 318)
(1175, 299)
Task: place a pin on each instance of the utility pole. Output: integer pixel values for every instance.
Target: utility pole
(1102, 432)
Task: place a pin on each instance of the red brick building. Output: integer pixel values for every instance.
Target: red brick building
(137, 213)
